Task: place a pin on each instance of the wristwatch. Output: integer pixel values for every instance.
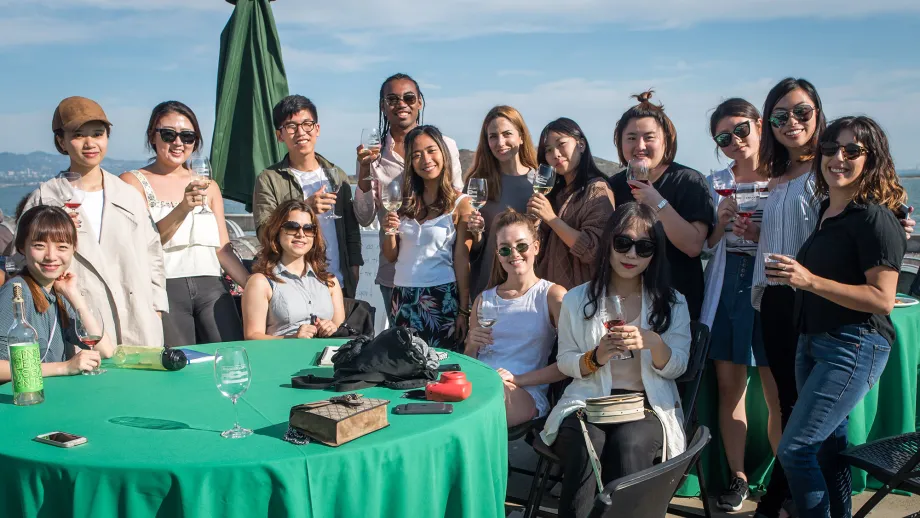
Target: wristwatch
(662, 204)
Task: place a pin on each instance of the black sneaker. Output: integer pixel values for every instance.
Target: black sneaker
(734, 496)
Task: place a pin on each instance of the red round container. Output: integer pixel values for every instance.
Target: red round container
(452, 386)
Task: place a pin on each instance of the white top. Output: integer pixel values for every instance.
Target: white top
(577, 336)
(626, 374)
(192, 250)
(92, 206)
(522, 352)
(310, 182)
(426, 251)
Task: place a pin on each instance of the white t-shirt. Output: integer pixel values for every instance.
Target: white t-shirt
(310, 182)
(92, 207)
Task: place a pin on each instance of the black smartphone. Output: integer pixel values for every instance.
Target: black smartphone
(904, 211)
(415, 394)
(447, 367)
(423, 408)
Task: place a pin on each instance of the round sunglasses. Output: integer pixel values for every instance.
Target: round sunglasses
(505, 251)
(644, 247)
(169, 135)
(741, 131)
(801, 113)
(850, 151)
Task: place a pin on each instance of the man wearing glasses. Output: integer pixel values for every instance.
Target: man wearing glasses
(305, 174)
(401, 108)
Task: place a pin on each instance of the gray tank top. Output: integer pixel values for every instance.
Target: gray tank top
(295, 300)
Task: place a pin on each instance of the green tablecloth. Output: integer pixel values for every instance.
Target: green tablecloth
(890, 408)
(154, 448)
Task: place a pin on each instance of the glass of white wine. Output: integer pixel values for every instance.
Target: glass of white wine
(544, 179)
(200, 167)
(478, 190)
(487, 316)
(232, 375)
(331, 187)
(392, 200)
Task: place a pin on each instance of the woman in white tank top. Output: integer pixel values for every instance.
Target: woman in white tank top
(431, 292)
(514, 321)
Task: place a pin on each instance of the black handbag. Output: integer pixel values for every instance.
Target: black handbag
(359, 320)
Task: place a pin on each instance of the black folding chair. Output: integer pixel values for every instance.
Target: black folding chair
(894, 461)
(648, 492)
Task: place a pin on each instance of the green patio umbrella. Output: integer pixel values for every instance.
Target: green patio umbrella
(250, 81)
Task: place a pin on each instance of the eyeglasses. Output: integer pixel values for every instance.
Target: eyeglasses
(409, 98)
(291, 127)
(850, 151)
(293, 228)
(169, 135)
(644, 247)
(505, 251)
(801, 113)
(725, 138)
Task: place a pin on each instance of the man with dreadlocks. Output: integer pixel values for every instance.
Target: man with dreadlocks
(401, 108)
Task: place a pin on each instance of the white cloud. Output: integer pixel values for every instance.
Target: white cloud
(333, 61)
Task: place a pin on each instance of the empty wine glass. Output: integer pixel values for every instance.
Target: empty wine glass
(723, 182)
(748, 198)
(333, 188)
(232, 375)
(90, 333)
(478, 190)
(612, 315)
(200, 167)
(637, 170)
(392, 200)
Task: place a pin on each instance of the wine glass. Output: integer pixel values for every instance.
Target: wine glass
(392, 200)
(200, 167)
(747, 197)
(73, 194)
(543, 179)
(232, 374)
(487, 315)
(723, 182)
(637, 170)
(370, 138)
(331, 187)
(612, 315)
(478, 190)
(90, 334)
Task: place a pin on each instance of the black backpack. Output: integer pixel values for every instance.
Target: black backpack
(396, 359)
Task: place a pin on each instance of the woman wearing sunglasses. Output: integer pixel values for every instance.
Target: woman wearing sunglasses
(633, 265)
(516, 299)
(574, 212)
(196, 245)
(291, 294)
(737, 342)
(645, 137)
(845, 277)
(504, 157)
(431, 250)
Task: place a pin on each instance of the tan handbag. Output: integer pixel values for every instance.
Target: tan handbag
(621, 408)
(340, 419)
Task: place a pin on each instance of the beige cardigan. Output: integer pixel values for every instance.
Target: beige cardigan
(122, 273)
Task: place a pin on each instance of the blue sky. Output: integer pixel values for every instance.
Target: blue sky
(578, 58)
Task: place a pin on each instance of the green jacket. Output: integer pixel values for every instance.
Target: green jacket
(277, 185)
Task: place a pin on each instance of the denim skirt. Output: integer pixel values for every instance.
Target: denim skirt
(736, 334)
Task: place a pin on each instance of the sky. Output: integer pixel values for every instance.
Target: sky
(579, 58)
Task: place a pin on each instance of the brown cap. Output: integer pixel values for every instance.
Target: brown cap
(74, 112)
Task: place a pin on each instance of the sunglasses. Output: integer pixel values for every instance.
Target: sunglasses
(393, 100)
(741, 131)
(169, 135)
(291, 127)
(293, 228)
(505, 251)
(801, 113)
(644, 247)
(850, 151)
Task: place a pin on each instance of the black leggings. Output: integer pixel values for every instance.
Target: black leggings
(623, 449)
(201, 311)
(780, 340)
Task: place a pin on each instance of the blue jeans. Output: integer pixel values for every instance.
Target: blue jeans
(833, 371)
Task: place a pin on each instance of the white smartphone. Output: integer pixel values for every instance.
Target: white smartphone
(61, 439)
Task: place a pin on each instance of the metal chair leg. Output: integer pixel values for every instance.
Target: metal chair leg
(704, 495)
(536, 488)
(873, 501)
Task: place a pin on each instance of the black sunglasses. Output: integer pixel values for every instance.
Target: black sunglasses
(169, 135)
(292, 227)
(801, 113)
(505, 251)
(725, 138)
(644, 247)
(850, 151)
(409, 98)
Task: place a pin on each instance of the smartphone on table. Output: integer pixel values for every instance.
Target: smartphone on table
(61, 439)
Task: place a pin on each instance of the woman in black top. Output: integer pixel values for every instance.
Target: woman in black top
(645, 135)
(845, 276)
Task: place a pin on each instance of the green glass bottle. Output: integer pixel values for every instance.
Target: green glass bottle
(25, 356)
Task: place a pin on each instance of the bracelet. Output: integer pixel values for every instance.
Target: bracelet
(465, 312)
(589, 363)
(594, 358)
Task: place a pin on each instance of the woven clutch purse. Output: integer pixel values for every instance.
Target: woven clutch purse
(340, 419)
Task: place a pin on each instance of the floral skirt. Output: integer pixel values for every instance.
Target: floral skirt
(431, 311)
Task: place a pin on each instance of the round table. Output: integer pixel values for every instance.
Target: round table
(154, 448)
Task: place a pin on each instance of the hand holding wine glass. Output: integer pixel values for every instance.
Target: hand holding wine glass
(392, 200)
(90, 328)
(637, 171)
(200, 168)
(232, 375)
(73, 194)
(613, 319)
(478, 190)
(748, 199)
(487, 316)
(332, 188)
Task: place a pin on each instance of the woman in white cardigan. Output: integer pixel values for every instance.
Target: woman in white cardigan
(656, 335)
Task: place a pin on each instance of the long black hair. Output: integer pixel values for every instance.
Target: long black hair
(383, 123)
(774, 157)
(587, 169)
(656, 279)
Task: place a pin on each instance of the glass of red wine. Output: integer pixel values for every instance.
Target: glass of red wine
(723, 182)
(613, 315)
(637, 170)
(73, 194)
(89, 331)
(748, 198)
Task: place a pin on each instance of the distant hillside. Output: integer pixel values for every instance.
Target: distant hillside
(47, 165)
(607, 167)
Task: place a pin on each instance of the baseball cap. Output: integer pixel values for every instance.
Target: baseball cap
(74, 112)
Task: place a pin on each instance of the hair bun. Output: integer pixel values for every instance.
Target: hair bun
(645, 97)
